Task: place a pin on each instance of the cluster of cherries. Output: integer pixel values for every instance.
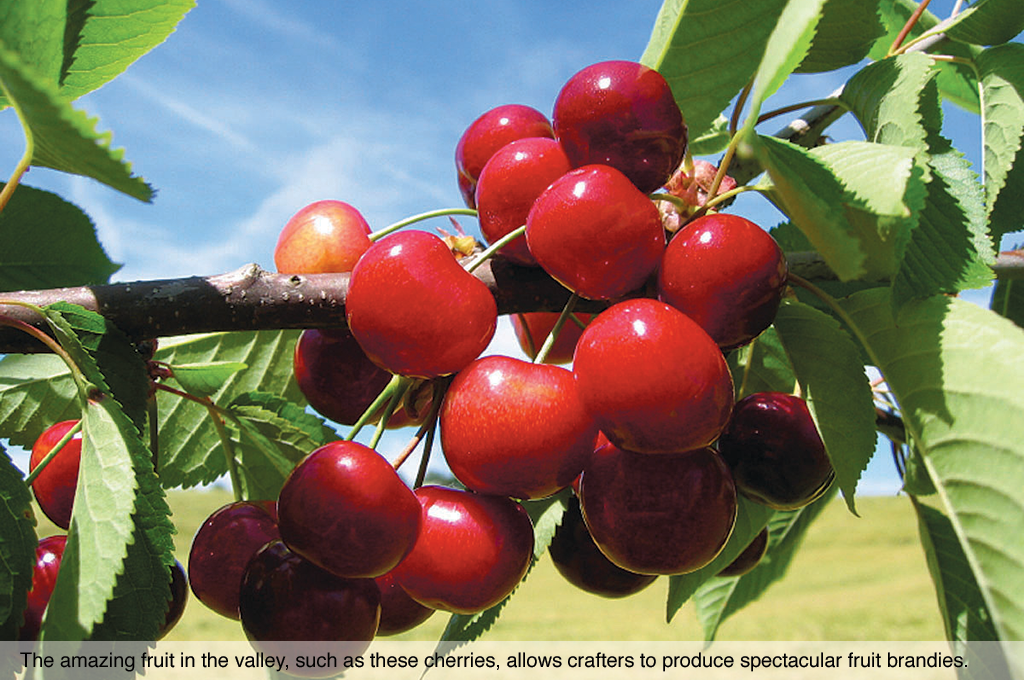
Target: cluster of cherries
(644, 426)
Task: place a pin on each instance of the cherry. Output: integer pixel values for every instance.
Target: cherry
(509, 184)
(415, 311)
(652, 378)
(750, 557)
(496, 396)
(286, 598)
(725, 273)
(471, 553)
(665, 514)
(488, 133)
(54, 487)
(623, 114)
(595, 233)
(532, 329)
(581, 562)
(398, 611)
(223, 546)
(322, 238)
(176, 604)
(335, 375)
(49, 553)
(344, 508)
(775, 451)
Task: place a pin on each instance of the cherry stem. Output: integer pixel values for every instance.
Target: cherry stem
(670, 198)
(52, 453)
(734, 120)
(726, 196)
(428, 445)
(381, 233)
(907, 27)
(396, 399)
(19, 171)
(51, 344)
(489, 252)
(383, 398)
(427, 427)
(549, 342)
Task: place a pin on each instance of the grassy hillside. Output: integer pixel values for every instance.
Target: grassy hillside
(855, 579)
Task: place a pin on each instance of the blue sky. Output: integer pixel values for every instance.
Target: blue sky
(253, 109)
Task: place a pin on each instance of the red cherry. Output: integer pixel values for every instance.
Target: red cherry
(177, 602)
(345, 509)
(415, 310)
(55, 486)
(324, 237)
(471, 553)
(398, 611)
(496, 396)
(532, 329)
(750, 557)
(725, 273)
(335, 375)
(223, 546)
(775, 451)
(595, 233)
(488, 133)
(509, 184)
(49, 553)
(284, 598)
(623, 114)
(652, 378)
(581, 562)
(665, 514)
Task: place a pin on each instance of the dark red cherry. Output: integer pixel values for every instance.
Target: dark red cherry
(398, 611)
(725, 273)
(323, 237)
(54, 487)
(471, 553)
(511, 181)
(581, 562)
(532, 329)
(179, 598)
(488, 133)
(750, 557)
(652, 378)
(415, 310)
(335, 375)
(49, 553)
(284, 598)
(775, 451)
(667, 514)
(344, 508)
(595, 233)
(497, 396)
(221, 548)
(623, 114)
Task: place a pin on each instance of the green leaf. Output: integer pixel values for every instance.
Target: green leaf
(114, 35)
(955, 370)
(712, 140)
(35, 30)
(989, 22)
(273, 435)
(546, 515)
(204, 379)
(787, 46)
(845, 34)
(854, 201)
(762, 366)
(751, 517)
(17, 546)
(101, 526)
(707, 51)
(36, 390)
(190, 450)
(62, 138)
(1008, 300)
(838, 393)
(719, 598)
(48, 243)
(885, 97)
(1002, 84)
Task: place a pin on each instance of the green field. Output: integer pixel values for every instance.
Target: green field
(855, 579)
